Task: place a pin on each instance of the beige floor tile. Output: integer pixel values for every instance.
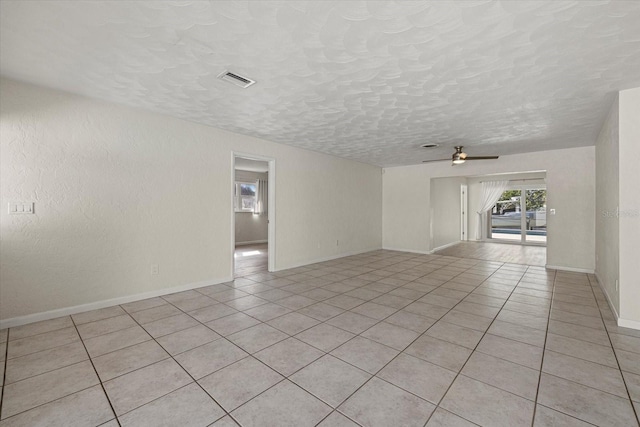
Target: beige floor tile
(365, 354)
(245, 303)
(380, 404)
(336, 419)
(191, 304)
(442, 418)
(116, 340)
(584, 372)
(330, 379)
(105, 326)
(257, 337)
(169, 325)
(520, 333)
(187, 339)
(95, 315)
(352, 322)
(187, 406)
(374, 311)
(288, 356)
(37, 328)
(513, 351)
(391, 335)
(267, 311)
(546, 417)
(578, 319)
(467, 320)
(296, 302)
(293, 323)
(410, 321)
(237, 383)
(140, 387)
(26, 394)
(419, 377)
(321, 311)
(44, 341)
(120, 362)
(225, 422)
(475, 401)
(132, 307)
(582, 349)
(523, 319)
(34, 364)
(204, 360)
(505, 375)
(455, 334)
(325, 337)
(442, 353)
(212, 312)
(284, 405)
(625, 342)
(579, 332)
(233, 323)
(633, 385)
(629, 361)
(156, 313)
(344, 302)
(585, 403)
(88, 407)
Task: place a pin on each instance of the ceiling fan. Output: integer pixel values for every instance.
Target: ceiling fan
(459, 157)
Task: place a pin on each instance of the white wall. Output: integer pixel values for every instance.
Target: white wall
(629, 196)
(445, 211)
(119, 189)
(570, 190)
(251, 227)
(607, 202)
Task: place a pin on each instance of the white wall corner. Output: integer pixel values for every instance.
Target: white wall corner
(608, 297)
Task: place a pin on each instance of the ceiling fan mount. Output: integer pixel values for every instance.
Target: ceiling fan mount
(460, 157)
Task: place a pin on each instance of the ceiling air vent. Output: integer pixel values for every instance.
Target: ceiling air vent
(236, 79)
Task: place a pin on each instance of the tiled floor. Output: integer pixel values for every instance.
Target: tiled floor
(504, 252)
(250, 259)
(378, 339)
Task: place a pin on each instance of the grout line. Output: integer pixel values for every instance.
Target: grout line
(544, 348)
(615, 354)
(96, 372)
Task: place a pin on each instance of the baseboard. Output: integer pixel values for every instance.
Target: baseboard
(328, 258)
(439, 248)
(606, 295)
(571, 269)
(66, 311)
(631, 324)
(413, 251)
(251, 242)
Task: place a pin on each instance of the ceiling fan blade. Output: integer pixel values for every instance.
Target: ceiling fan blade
(481, 157)
(437, 160)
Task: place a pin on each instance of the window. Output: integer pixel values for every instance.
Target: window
(245, 199)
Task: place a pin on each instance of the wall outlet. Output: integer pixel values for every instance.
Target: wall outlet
(17, 208)
(155, 269)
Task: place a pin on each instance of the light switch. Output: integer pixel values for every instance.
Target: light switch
(21, 208)
(552, 211)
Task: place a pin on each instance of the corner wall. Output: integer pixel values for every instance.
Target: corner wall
(570, 190)
(117, 190)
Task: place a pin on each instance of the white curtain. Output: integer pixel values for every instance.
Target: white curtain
(491, 192)
(262, 198)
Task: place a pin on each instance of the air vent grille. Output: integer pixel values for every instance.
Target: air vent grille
(236, 79)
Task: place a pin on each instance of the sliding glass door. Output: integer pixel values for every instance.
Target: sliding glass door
(520, 216)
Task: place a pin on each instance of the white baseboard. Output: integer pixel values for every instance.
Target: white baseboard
(608, 297)
(251, 242)
(631, 324)
(439, 248)
(328, 258)
(413, 251)
(571, 269)
(66, 311)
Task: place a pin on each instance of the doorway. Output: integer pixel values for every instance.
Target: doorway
(253, 207)
(520, 216)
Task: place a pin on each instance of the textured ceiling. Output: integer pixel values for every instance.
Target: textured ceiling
(369, 81)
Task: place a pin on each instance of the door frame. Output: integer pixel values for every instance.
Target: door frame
(271, 209)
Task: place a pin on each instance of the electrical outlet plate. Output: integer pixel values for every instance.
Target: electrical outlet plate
(20, 208)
